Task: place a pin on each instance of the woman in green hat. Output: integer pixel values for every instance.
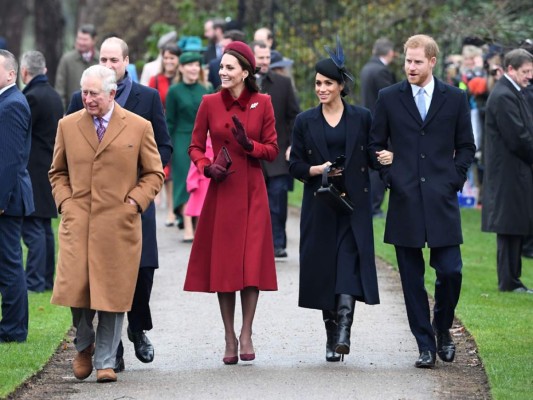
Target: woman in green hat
(183, 100)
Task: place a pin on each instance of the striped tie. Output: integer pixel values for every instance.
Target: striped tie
(100, 130)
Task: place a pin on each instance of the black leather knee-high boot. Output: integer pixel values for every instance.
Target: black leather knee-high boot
(345, 309)
(330, 320)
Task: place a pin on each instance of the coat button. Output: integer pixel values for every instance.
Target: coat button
(309, 151)
(422, 155)
(422, 179)
(422, 133)
(227, 125)
(365, 190)
(362, 169)
(362, 148)
(226, 141)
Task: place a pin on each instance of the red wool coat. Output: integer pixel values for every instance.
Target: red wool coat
(233, 246)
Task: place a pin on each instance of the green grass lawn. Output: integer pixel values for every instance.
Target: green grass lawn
(501, 323)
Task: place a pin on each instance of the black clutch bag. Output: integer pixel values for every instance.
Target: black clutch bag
(329, 194)
(223, 159)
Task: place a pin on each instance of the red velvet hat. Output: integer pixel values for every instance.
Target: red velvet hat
(244, 50)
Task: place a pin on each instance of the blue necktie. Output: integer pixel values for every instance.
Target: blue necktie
(421, 103)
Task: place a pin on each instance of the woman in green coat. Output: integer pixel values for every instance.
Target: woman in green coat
(183, 100)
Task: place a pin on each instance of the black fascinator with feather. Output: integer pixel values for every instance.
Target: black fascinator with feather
(335, 68)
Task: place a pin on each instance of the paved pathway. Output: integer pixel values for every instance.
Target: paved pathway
(289, 343)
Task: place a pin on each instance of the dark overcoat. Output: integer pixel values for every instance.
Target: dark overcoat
(145, 102)
(508, 154)
(318, 224)
(374, 76)
(46, 110)
(286, 108)
(431, 158)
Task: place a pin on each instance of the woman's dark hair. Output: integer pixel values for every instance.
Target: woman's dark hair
(173, 49)
(250, 81)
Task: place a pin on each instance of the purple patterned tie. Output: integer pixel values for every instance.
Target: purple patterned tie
(100, 130)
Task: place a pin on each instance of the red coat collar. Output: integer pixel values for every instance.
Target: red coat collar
(242, 101)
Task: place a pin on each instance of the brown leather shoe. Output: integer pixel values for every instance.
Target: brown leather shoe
(106, 375)
(83, 363)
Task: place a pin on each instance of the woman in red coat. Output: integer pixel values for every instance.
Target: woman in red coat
(233, 250)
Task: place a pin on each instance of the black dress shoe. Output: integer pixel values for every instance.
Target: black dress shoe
(119, 365)
(143, 347)
(445, 345)
(280, 253)
(426, 360)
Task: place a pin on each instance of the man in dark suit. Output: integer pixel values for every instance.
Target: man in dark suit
(46, 110)
(428, 125)
(375, 76)
(508, 180)
(527, 245)
(143, 101)
(213, 32)
(286, 108)
(16, 200)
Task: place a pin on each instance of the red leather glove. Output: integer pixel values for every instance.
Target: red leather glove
(216, 172)
(240, 134)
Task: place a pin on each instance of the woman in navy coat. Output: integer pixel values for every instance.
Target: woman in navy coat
(337, 265)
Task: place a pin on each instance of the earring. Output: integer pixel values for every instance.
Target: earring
(243, 78)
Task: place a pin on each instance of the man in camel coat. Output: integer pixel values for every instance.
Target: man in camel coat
(105, 172)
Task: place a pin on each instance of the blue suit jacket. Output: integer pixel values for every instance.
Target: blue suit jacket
(431, 158)
(145, 102)
(16, 195)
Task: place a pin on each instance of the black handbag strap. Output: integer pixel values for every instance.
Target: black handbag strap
(325, 177)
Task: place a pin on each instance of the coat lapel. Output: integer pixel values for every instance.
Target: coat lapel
(87, 129)
(406, 97)
(353, 119)
(133, 98)
(318, 136)
(437, 101)
(114, 128)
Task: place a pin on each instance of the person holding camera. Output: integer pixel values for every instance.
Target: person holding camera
(337, 265)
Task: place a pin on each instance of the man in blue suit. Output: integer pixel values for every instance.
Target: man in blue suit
(145, 102)
(16, 200)
(428, 125)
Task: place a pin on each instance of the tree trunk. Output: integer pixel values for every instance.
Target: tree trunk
(12, 16)
(49, 26)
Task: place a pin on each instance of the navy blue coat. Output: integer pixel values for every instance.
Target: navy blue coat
(46, 110)
(431, 158)
(145, 102)
(16, 194)
(318, 224)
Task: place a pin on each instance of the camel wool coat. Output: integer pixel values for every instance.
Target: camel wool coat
(100, 234)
